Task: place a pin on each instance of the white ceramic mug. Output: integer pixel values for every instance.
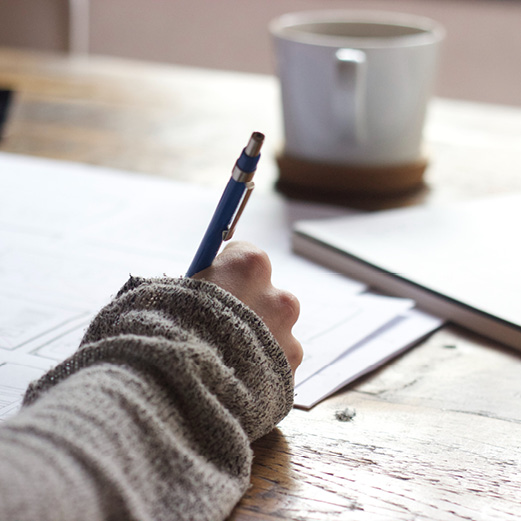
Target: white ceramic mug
(355, 85)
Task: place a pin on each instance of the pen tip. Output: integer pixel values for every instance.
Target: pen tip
(254, 144)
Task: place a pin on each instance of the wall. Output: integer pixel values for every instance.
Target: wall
(39, 24)
(480, 60)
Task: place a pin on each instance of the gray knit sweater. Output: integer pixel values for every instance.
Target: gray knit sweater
(152, 418)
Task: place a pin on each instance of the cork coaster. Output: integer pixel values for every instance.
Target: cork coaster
(364, 186)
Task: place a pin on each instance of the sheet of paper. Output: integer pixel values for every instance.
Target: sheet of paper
(386, 343)
(14, 379)
(339, 325)
(17, 371)
(71, 234)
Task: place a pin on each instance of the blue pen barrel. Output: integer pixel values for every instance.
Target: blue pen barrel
(247, 163)
(229, 206)
(221, 219)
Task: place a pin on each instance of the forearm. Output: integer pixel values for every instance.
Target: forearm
(153, 416)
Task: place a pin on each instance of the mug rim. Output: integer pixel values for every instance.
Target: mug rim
(285, 27)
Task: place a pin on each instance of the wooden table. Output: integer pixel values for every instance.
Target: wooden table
(437, 433)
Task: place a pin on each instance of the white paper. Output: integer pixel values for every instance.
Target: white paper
(344, 322)
(14, 379)
(71, 234)
(389, 341)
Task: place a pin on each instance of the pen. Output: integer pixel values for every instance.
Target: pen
(230, 207)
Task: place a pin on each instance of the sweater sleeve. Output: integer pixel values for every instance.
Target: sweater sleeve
(153, 416)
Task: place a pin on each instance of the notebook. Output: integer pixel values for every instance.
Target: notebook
(461, 262)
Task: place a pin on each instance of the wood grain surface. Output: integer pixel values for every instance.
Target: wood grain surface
(434, 435)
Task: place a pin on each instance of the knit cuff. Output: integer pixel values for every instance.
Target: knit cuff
(165, 313)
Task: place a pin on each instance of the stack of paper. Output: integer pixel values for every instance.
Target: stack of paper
(71, 234)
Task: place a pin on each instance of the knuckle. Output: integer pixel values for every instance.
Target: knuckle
(288, 306)
(254, 263)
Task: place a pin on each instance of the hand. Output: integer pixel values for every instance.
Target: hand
(245, 271)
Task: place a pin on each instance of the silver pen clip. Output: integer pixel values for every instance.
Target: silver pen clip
(228, 234)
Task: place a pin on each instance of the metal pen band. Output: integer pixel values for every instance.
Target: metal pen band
(241, 176)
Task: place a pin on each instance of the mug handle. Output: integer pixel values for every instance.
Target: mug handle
(349, 96)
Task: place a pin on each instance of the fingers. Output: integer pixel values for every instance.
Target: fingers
(282, 315)
(245, 271)
(280, 311)
(293, 351)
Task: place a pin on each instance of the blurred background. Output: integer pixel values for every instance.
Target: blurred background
(481, 58)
